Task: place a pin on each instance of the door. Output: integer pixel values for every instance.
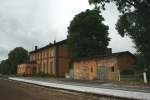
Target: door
(102, 73)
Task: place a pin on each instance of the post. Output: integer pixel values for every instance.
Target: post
(145, 78)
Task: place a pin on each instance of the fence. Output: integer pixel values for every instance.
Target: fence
(137, 77)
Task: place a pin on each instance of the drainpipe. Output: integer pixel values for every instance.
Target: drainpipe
(47, 61)
(119, 75)
(57, 67)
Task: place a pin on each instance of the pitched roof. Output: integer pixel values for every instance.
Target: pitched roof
(50, 45)
(109, 55)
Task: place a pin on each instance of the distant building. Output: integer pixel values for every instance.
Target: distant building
(52, 59)
(103, 67)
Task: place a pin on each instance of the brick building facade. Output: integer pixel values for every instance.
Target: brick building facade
(52, 59)
(26, 69)
(104, 67)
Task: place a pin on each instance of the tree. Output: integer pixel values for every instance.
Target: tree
(140, 62)
(17, 56)
(87, 35)
(5, 67)
(134, 22)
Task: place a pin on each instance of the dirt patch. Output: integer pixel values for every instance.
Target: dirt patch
(13, 90)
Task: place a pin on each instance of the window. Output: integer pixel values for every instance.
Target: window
(91, 69)
(112, 68)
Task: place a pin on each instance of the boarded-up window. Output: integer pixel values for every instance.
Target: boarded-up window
(112, 68)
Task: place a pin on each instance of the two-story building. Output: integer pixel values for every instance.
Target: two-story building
(52, 59)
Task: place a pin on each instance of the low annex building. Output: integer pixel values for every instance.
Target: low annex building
(103, 67)
(26, 69)
(52, 59)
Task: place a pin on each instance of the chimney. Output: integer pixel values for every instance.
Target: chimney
(54, 41)
(108, 51)
(36, 48)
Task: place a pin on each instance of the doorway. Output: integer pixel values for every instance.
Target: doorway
(102, 73)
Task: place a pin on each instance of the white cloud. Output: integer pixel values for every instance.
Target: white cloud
(37, 22)
(117, 43)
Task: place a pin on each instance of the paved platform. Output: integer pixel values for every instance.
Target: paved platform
(88, 89)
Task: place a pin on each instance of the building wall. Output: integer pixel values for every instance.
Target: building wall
(25, 69)
(85, 70)
(44, 58)
(88, 69)
(63, 60)
(53, 60)
(63, 64)
(126, 61)
(113, 64)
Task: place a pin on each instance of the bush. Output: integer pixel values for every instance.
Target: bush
(127, 72)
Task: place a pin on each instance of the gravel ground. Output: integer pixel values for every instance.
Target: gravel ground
(12, 90)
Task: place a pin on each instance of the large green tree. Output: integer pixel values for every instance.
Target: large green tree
(134, 21)
(87, 34)
(17, 56)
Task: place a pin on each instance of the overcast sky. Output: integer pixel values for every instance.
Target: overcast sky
(28, 23)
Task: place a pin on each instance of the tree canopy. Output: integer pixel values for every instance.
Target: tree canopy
(5, 67)
(87, 34)
(134, 22)
(17, 56)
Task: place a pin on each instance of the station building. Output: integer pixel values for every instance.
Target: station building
(52, 59)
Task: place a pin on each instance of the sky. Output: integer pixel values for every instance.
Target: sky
(27, 23)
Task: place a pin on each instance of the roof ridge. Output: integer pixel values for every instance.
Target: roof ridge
(48, 45)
